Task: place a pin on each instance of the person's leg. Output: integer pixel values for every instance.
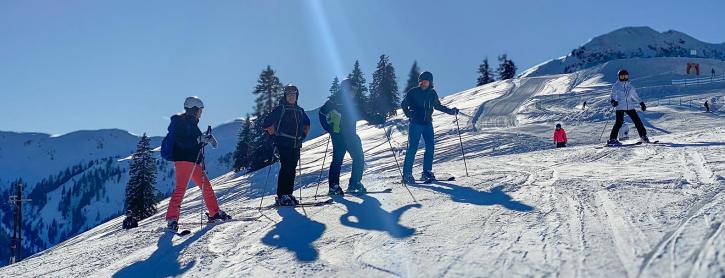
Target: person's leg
(285, 180)
(637, 123)
(414, 132)
(210, 200)
(429, 138)
(182, 169)
(338, 154)
(617, 125)
(354, 147)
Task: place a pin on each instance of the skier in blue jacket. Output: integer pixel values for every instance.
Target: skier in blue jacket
(418, 106)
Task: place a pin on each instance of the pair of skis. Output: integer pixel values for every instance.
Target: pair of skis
(628, 144)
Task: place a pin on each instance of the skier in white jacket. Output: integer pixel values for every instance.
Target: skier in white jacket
(625, 99)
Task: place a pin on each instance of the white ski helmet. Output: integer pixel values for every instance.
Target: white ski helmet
(192, 102)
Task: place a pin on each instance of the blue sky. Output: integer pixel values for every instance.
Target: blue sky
(72, 65)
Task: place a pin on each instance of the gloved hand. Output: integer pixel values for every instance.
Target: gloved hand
(208, 139)
(644, 107)
(614, 103)
(454, 111)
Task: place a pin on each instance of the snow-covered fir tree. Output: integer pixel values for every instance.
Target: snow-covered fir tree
(485, 75)
(412, 77)
(384, 97)
(141, 192)
(506, 68)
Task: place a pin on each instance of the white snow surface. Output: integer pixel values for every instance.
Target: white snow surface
(525, 209)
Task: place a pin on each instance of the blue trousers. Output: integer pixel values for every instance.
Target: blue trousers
(414, 133)
(346, 143)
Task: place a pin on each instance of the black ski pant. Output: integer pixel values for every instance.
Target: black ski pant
(620, 120)
(288, 158)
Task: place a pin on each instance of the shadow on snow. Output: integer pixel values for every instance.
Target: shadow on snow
(296, 233)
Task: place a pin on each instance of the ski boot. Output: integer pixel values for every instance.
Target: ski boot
(335, 190)
(408, 179)
(644, 139)
(428, 177)
(356, 188)
(613, 143)
(219, 216)
(285, 201)
(172, 226)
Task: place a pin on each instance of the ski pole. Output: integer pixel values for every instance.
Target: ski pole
(461, 142)
(266, 188)
(603, 129)
(203, 168)
(319, 178)
(398, 165)
(299, 170)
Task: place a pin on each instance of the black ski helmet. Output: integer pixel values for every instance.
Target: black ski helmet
(346, 85)
(558, 125)
(291, 89)
(426, 75)
(622, 72)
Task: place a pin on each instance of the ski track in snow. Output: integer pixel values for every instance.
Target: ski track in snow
(525, 210)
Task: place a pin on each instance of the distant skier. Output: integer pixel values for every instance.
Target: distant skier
(559, 136)
(188, 142)
(418, 106)
(625, 99)
(712, 71)
(584, 105)
(339, 117)
(707, 106)
(289, 125)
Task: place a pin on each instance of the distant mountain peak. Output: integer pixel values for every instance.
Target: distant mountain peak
(629, 42)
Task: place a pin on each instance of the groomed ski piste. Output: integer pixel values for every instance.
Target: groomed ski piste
(525, 209)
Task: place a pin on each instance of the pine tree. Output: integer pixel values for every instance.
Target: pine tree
(334, 89)
(485, 75)
(140, 190)
(361, 89)
(241, 153)
(412, 77)
(384, 98)
(506, 68)
(268, 92)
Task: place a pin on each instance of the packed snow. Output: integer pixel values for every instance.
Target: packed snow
(525, 209)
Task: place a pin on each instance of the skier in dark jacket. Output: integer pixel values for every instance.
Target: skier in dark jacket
(289, 125)
(707, 106)
(339, 117)
(418, 106)
(188, 142)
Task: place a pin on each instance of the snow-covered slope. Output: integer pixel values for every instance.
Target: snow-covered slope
(526, 209)
(78, 180)
(630, 42)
